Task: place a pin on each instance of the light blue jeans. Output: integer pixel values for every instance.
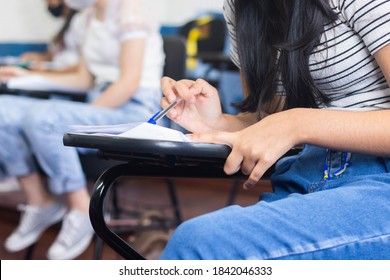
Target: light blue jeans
(31, 132)
(306, 216)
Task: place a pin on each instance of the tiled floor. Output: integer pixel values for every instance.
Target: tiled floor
(196, 196)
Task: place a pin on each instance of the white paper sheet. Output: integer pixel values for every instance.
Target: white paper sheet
(140, 130)
(36, 82)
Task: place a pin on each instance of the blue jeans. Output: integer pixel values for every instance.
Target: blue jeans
(305, 217)
(31, 131)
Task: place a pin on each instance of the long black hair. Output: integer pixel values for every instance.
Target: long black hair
(59, 38)
(274, 41)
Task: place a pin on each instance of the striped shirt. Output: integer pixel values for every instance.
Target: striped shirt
(342, 64)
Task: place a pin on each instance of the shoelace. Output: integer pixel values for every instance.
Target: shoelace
(28, 216)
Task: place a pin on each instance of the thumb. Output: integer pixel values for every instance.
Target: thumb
(233, 161)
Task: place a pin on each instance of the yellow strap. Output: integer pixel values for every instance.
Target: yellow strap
(192, 41)
(192, 47)
(204, 20)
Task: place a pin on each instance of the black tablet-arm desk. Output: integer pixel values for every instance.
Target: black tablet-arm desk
(44, 94)
(146, 158)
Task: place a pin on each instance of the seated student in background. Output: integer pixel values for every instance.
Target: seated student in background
(121, 66)
(63, 53)
(64, 50)
(315, 73)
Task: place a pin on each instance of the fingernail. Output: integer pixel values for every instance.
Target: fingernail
(171, 99)
(247, 186)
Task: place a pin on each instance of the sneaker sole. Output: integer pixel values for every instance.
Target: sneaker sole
(32, 239)
(71, 254)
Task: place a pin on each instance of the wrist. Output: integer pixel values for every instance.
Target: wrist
(216, 124)
(232, 123)
(301, 125)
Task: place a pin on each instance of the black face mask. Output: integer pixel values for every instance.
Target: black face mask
(56, 11)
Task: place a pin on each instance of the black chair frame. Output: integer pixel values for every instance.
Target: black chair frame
(149, 159)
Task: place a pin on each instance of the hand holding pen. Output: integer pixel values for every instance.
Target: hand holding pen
(162, 113)
(200, 110)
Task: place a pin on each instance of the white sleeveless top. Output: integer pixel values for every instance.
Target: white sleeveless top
(124, 20)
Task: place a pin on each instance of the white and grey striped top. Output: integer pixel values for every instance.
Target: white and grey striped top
(342, 64)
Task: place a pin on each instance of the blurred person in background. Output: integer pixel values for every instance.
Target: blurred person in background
(121, 67)
(63, 52)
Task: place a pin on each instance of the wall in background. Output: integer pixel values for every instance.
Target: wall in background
(177, 12)
(28, 20)
(25, 25)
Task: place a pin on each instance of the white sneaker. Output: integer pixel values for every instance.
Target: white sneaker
(33, 222)
(75, 235)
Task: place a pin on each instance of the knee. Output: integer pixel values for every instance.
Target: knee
(8, 111)
(185, 241)
(203, 237)
(39, 113)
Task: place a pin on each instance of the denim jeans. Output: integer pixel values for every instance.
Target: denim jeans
(305, 217)
(31, 132)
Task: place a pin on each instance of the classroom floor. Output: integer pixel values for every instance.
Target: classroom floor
(196, 196)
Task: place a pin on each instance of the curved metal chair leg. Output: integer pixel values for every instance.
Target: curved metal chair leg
(96, 214)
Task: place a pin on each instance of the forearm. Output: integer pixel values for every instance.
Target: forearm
(74, 80)
(36, 56)
(117, 94)
(237, 122)
(81, 79)
(365, 132)
(66, 70)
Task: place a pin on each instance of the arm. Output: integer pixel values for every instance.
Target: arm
(36, 56)
(81, 79)
(258, 147)
(131, 57)
(366, 132)
(66, 70)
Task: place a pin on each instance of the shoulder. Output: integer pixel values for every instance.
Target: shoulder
(351, 7)
(133, 18)
(131, 7)
(228, 10)
(369, 18)
(133, 12)
(229, 15)
(82, 18)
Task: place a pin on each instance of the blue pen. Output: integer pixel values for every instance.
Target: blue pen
(162, 113)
